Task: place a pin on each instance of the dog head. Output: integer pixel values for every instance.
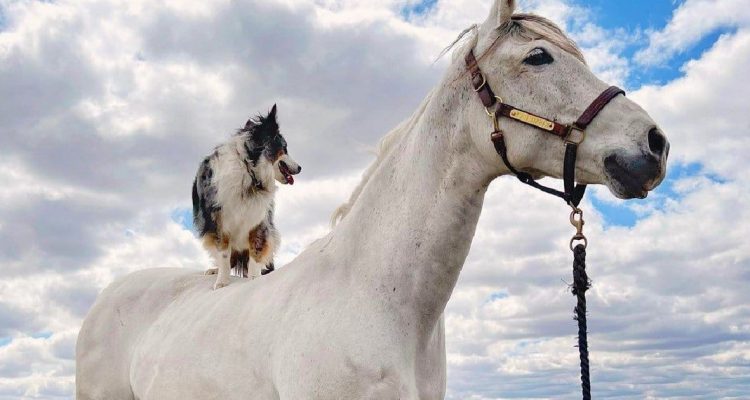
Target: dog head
(266, 148)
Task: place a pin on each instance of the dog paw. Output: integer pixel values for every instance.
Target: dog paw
(220, 284)
(211, 271)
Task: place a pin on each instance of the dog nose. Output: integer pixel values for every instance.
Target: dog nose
(657, 143)
(299, 169)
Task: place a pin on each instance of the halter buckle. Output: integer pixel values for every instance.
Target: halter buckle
(481, 85)
(575, 138)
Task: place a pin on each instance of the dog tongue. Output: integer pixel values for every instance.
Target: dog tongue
(289, 179)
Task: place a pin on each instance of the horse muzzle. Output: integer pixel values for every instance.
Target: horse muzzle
(634, 175)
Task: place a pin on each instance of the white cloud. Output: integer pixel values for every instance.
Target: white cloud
(705, 111)
(38, 368)
(691, 21)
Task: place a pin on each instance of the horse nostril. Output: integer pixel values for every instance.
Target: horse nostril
(656, 141)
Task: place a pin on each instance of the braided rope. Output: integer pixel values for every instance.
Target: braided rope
(580, 285)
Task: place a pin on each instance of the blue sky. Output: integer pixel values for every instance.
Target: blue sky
(630, 15)
(637, 16)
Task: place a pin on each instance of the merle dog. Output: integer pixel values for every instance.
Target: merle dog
(233, 199)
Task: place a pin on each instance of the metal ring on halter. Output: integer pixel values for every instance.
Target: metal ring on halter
(491, 114)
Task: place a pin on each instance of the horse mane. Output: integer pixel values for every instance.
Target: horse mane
(525, 26)
(384, 145)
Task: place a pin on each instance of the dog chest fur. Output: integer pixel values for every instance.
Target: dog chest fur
(246, 206)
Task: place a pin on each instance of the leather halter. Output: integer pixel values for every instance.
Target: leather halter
(573, 134)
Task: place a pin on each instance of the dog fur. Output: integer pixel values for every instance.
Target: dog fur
(233, 199)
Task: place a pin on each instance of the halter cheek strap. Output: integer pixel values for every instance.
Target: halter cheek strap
(572, 134)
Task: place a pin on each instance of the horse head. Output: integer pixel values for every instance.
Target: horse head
(533, 66)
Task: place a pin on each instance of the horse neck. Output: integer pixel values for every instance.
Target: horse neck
(409, 231)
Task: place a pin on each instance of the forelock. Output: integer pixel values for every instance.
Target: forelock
(535, 27)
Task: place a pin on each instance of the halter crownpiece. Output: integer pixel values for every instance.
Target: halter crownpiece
(573, 134)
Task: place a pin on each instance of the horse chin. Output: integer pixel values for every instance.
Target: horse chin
(626, 190)
(633, 176)
(626, 194)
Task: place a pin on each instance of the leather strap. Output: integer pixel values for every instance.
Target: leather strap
(597, 105)
(499, 142)
(573, 192)
(479, 81)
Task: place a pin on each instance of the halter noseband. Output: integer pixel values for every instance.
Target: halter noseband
(573, 134)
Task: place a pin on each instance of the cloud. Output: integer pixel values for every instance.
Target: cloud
(38, 368)
(113, 106)
(691, 21)
(666, 306)
(709, 88)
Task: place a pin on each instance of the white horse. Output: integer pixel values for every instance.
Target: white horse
(358, 315)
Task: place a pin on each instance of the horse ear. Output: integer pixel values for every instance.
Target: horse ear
(501, 12)
(272, 114)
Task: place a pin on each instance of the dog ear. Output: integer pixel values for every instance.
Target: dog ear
(272, 115)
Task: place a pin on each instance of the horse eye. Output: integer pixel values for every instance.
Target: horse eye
(538, 56)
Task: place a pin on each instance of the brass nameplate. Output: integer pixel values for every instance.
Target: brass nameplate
(532, 120)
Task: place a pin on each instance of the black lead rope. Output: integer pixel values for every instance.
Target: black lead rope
(580, 285)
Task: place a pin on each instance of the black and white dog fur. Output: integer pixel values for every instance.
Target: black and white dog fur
(233, 199)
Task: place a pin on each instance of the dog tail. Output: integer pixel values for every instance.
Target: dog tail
(196, 201)
(204, 204)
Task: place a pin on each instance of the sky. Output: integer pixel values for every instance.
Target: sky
(108, 106)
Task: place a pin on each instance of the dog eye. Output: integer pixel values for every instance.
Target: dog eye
(538, 56)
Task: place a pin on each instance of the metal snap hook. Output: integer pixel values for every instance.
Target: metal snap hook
(576, 219)
(493, 115)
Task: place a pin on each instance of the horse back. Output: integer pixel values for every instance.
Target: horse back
(112, 328)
